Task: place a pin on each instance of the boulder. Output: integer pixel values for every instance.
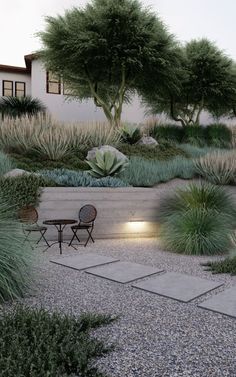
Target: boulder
(147, 140)
(105, 148)
(16, 173)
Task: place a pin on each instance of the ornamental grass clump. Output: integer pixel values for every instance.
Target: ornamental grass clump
(218, 167)
(6, 164)
(197, 220)
(35, 343)
(15, 255)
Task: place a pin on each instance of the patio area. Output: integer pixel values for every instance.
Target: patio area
(154, 336)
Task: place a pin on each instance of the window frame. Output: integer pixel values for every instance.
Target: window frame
(3, 88)
(24, 91)
(54, 82)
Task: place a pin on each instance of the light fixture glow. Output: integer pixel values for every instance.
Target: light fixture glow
(137, 226)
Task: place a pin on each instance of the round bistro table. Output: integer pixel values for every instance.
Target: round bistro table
(60, 225)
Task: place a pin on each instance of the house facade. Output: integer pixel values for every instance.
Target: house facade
(35, 81)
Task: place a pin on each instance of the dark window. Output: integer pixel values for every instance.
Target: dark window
(19, 89)
(7, 88)
(53, 84)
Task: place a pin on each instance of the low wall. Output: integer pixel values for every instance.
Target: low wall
(122, 212)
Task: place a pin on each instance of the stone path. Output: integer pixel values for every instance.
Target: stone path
(83, 261)
(124, 272)
(177, 286)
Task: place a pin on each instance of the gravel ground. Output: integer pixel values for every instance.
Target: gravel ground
(154, 336)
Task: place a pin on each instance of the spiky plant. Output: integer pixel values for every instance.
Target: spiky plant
(130, 134)
(106, 164)
(15, 255)
(218, 167)
(20, 106)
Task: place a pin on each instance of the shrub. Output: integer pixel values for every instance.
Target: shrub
(6, 164)
(23, 190)
(167, 133)
(15, 255)
(162, 151)
(146, 173)
(226, 266)
(35, 343)
(70, 178)
(106, 164)
(195, 135)
(20, 106)
(197, 220)
(218, 135)
(218, 167)
(129, 134)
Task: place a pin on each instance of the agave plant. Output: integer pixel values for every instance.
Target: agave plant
(106, 164)
(130, 134)
(16, 107)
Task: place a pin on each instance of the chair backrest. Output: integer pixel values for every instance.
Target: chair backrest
(28, 215)
(87, 214)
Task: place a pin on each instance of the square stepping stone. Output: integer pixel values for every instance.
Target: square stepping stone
(224, 302)
(83, 261)
(177, 286)
(124, 272)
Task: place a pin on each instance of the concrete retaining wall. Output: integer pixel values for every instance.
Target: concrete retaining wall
(122, 212)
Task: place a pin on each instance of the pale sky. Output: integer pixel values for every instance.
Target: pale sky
(187, 19)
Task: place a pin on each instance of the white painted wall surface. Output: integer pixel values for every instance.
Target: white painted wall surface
(16, 77)
(72, 111)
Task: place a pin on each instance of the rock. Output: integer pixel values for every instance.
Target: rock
(16, 173)
(105, 148)
(147, 140)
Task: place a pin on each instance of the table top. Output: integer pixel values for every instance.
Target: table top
(60, 222)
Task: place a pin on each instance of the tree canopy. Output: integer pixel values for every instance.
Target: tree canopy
(207, 82)
(108, 50)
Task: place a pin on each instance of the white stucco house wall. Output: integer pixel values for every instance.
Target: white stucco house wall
(35, 81)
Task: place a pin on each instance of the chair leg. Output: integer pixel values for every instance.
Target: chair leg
(89, 237)
(74, 236)
(42, 232)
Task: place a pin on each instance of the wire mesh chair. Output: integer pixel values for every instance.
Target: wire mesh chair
(28, 216)
(87, 216)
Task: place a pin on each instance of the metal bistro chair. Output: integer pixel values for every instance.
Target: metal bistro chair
(28, 215)
(87, 216)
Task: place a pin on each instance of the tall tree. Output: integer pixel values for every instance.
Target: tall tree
(207, 82)
(109, 49)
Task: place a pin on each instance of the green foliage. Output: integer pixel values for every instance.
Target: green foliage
(35, 343)
(130, 134)
(167, 133)
(20, 106)
(207, 81)
(162, 151)
(33, 162)
(70, 178)
(15, 256)
(218, 167)
(6, 164)
(106, 164)
(226, 266)
(123, 47)
(23, 190)
(219, 135)
(198, 220)
(195, 135)
(195, 151)
(146, 173)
